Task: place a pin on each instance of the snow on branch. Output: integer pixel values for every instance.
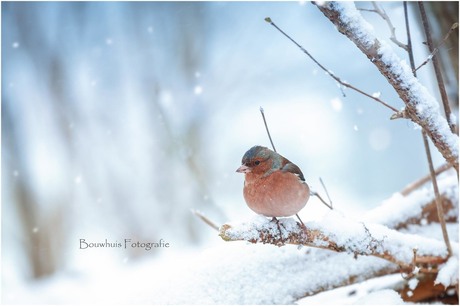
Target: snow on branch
(421, 107)
(339, 234)
(417, 207)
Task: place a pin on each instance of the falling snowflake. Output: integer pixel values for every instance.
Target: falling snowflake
(337, 104)
(198, 90)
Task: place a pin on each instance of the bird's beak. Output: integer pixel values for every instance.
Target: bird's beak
(243, 169)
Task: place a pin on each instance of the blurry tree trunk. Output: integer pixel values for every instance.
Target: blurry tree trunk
(42, 234)
(442, 15)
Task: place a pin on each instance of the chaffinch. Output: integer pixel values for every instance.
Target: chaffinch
(273, 186)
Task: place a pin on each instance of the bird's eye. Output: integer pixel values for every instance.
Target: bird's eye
(257, 162)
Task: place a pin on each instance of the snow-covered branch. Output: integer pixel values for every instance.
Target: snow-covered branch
(340, 234)
(417, 207)
(405, 212)
(420, 106)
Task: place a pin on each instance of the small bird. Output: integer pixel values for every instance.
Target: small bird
(273, 186)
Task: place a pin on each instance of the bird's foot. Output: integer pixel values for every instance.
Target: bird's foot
(274, 219)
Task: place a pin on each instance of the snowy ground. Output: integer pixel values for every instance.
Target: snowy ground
(227, 273)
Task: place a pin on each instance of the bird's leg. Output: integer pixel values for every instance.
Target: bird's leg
(303, 225)
(278, 225)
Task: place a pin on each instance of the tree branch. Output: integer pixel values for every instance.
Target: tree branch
(341, 235)
(421, 107)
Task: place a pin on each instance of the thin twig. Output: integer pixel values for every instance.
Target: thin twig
(381, 12)
(205, 219)
(314, 193)
(436, 50)
(366, 10)
(325, 190)
(439, 207)
(437, 67)
(268, 19)
(266, 127)
(413, 186)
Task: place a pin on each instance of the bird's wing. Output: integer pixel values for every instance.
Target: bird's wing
(290, 167)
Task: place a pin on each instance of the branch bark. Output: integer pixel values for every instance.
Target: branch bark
(420, 106)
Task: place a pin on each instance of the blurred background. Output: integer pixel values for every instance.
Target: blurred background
(119, 118)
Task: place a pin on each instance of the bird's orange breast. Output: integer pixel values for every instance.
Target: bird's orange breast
(279, 194)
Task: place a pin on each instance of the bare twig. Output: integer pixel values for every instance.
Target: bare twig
(413, 186)
(439, 207)
(266, 128)
(367, 10)
(336, 78)
(436, 50)
(437, 67)
(381, 12)
(325, 190)
(205, 219)
(314, 193)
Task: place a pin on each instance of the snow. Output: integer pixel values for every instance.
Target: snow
(410, 206)
(348, 295)
(448, 273)
(198, 90)
(349, 15)
(250, 230)
(365, 237)
(433, 230)
(337, 104)
(412, 283)
(388, 297)
(453, 119)
(230, 273)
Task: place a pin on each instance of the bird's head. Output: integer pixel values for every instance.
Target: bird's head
(258, 161)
